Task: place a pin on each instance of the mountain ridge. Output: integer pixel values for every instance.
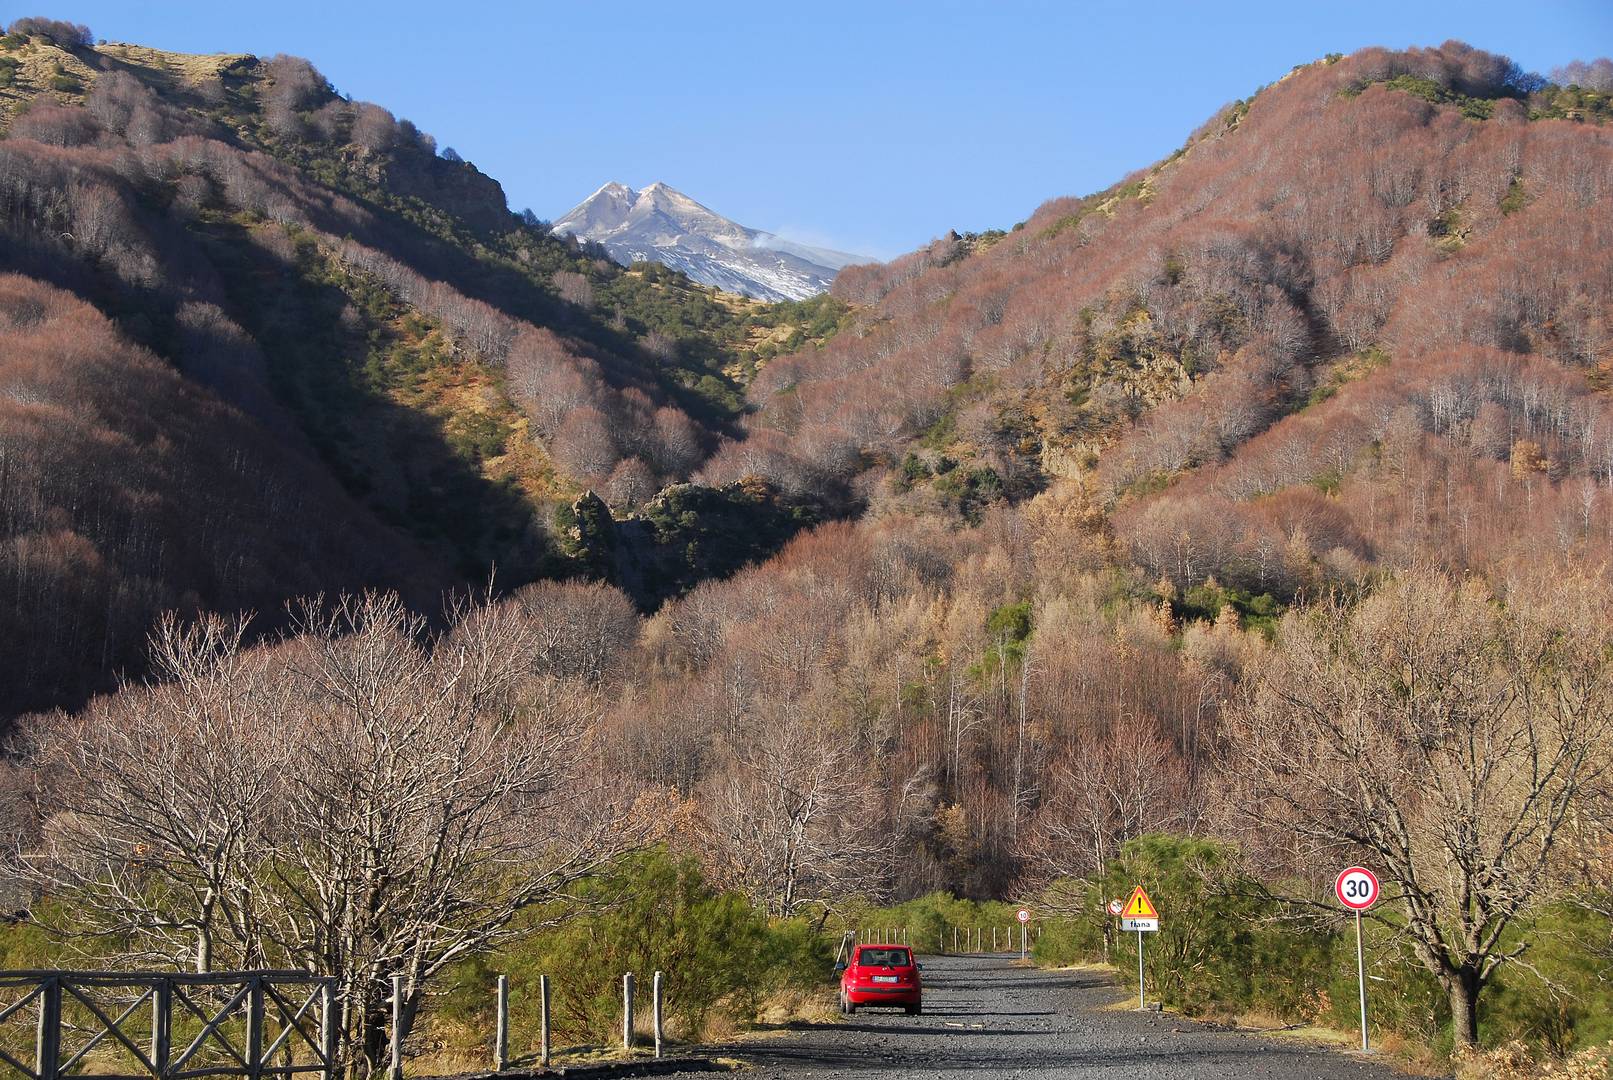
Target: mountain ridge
(662, 224)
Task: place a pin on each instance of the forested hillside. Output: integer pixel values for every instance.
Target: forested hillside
(1264, 498)
(433, 376)
(1357, 327)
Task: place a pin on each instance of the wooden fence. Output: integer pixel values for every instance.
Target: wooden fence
(122, 1026)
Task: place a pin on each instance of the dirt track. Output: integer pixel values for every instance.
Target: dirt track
(990, 1016)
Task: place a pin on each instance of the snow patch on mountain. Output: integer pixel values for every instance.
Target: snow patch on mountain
(661, 224)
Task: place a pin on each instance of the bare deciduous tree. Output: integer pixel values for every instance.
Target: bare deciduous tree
(156, 799)
(1448, 740)
(574, 288)
(791, 815)
(1130, 783)
(361, 800)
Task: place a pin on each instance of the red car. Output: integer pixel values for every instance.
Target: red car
(883, 975)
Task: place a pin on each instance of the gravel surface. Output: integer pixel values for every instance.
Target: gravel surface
(988, 1015)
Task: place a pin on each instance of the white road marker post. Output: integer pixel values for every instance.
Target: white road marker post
(501, 1032)
(657, 1000)
(1357, 889)
(627, 1012)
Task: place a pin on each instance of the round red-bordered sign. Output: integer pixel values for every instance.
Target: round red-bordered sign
(1024, 915)
(1116, 907)
(1357, 888)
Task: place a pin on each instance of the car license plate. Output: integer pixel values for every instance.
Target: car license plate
(884, 978)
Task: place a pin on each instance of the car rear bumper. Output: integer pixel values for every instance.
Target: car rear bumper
(884, 995)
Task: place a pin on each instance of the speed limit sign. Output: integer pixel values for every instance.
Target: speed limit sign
(1024, 915)
(1356, 888)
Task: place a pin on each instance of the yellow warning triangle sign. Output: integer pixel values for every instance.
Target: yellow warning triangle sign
(1139, 906)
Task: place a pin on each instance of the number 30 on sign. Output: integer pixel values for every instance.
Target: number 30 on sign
(1356, 888)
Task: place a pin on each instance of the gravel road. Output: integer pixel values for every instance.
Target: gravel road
(988, 1015)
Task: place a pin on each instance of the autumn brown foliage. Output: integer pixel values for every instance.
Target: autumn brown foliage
(1169, 321)
(126, 490)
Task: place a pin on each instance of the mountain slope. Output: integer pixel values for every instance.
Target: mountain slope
(659, 224)
(339, 312)
(1420, 237)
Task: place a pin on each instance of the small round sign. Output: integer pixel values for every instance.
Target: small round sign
(1357, 888)
(1024, 915)
(1116, 907)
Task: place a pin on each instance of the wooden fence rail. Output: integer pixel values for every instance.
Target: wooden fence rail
(155, 1026)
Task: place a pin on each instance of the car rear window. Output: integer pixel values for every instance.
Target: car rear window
(885, 958)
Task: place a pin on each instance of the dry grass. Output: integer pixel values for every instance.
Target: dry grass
(775, 1016)
(193, 68)
(1413, 1058)
(1314, 1035)
(445, 1047)
(39, 62)
(454, 1062)
(815, 1006)
(1513, 1061)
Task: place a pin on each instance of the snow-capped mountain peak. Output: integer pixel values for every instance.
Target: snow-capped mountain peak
(662, 224)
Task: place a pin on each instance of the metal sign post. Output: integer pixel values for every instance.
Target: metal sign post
(1024, 922)
(1139, 914)
(1361, 977)
(1142, 1002)
(1357, 889)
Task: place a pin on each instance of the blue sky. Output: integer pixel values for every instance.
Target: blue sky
(870, 126)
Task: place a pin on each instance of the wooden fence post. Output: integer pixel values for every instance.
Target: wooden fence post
(501, 1028)
(543, 1009)
(627, 1011)
(162, 1015)
(395, 1069)
(254, 1027)
(657, 1001)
